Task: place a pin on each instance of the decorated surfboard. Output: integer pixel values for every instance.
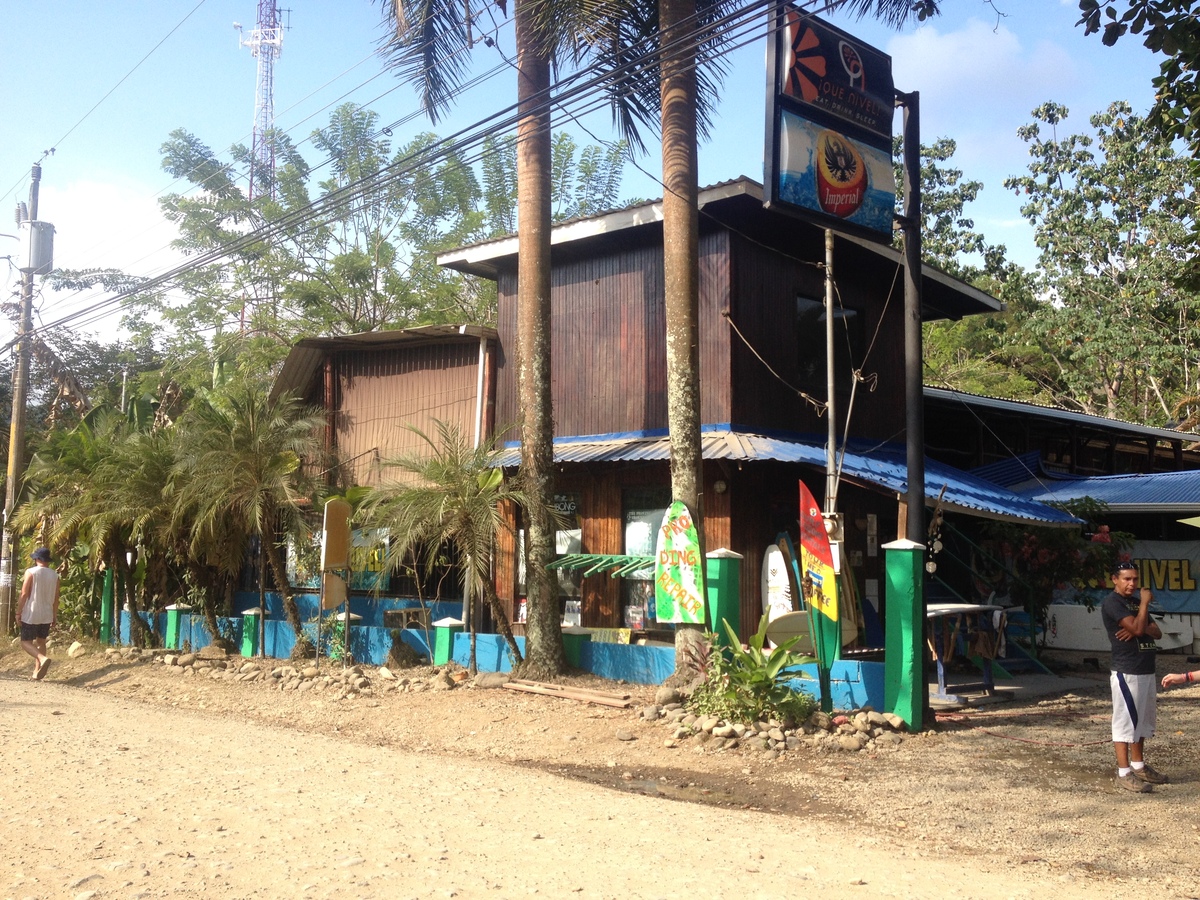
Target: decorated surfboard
(790, 620)
(678, 568)
(819, 585)
(776, 584)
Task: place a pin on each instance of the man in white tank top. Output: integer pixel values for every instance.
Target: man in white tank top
(38, 610)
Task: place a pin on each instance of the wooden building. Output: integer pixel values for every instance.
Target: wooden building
(762, 362)
(376, 387)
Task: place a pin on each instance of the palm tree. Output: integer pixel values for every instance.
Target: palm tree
(448, 498)
(684, 94)
(241, 468)
(88, 485)
(429, 47)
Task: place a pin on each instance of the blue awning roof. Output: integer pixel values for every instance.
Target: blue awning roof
(1159, 492)
(869, 465)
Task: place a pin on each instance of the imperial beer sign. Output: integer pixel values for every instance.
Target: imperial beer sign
(829, 150)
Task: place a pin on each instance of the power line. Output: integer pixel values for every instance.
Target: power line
(586, 89)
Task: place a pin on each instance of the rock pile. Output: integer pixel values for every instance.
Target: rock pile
(330, 677)
(849, 730)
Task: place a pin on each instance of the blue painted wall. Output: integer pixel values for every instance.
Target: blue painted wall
(854, 684)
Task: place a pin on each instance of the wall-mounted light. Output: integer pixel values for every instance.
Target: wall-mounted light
(720, 487)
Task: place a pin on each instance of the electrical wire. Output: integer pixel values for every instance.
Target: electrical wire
(110, 92)
(334, 202)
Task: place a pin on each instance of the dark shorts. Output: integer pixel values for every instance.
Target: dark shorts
(34, 632)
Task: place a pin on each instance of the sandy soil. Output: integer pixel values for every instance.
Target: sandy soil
(159, 784)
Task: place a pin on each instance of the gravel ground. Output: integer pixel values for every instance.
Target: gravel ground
(1023, 789)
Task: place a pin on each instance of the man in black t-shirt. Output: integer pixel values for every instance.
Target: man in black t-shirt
(1132, 633)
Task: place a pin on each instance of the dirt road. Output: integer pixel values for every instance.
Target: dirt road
(110, 796)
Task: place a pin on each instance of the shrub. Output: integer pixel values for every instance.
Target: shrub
(750, 684)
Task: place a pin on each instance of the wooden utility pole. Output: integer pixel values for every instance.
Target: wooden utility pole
(16, 428)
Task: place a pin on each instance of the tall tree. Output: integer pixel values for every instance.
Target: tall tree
(1112, 212)
(429, 46)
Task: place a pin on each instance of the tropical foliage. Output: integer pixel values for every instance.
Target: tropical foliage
(448, 498)
(751, 683)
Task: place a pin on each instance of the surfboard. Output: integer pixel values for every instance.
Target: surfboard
(794, 622)
(776, 585)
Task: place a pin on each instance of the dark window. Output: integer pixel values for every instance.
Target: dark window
(848, 347)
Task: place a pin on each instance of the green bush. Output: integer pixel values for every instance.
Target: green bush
(750, 684)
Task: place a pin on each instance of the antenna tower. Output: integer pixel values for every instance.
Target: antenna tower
(265, 43)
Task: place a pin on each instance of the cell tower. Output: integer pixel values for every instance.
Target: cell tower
(265, 43)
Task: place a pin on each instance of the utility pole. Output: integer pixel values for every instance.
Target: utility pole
(16, 428)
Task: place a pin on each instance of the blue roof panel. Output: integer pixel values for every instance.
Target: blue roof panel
(1159, 492)
(872, 465)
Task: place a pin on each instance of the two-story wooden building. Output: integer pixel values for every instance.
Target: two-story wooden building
(763, 386)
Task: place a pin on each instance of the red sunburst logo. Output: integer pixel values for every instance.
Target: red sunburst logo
(804, 56)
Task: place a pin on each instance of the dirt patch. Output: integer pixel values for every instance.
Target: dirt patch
(1028, 783)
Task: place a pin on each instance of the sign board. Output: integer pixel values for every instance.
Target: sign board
(830, 101)
(335, 535)
(1171, 569)
(333, 590)
(843, 181)
(822, 69)
(678, 568)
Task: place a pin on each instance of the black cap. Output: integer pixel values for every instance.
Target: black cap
(41, 554)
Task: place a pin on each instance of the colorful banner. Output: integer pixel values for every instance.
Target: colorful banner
(816, 559)
(1171, 569)
(678, 568)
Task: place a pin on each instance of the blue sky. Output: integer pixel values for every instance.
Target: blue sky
(980, 69)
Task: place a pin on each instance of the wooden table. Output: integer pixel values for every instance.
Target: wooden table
(975, 625)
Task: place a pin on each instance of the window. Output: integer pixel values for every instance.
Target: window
(848, 346)
(644, 510)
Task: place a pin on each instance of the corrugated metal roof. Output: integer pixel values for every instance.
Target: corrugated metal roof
(1022, 407)
(1012, 471)
(1159, 492)
(876, 466)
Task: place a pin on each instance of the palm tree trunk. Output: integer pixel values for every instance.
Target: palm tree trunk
(502, 623)
(139, 634)
(543, 630)
(681, 275)
(279, 573)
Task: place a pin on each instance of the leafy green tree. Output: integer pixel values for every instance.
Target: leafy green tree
(86, 487)
(1112, 214)
(1172, 28)
(448, 498)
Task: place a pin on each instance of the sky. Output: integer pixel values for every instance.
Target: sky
(105, 84)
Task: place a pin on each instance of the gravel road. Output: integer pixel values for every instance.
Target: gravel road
(129, 782)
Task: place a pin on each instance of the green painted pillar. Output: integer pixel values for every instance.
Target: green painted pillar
(173, 613)
(106, 608)
(904, 653)
(250, 623)
(723, 570)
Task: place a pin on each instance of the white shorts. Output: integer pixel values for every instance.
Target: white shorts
(1134, 701)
